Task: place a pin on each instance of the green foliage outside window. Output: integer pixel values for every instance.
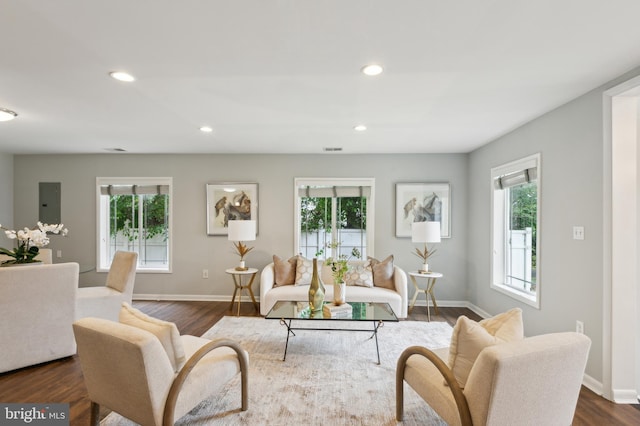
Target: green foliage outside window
(125, 217)
(524, 211)
(316, 213)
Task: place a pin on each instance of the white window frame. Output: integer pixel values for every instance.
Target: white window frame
(102, 230)
(328, 182)
(499, 243)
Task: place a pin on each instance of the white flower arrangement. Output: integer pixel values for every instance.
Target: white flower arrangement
(29, 242)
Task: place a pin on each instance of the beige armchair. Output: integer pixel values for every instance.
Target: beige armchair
(535, 381)
(105, 301)
(129, 370)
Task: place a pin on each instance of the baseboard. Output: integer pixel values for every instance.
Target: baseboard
(619, 396)
(456, 304)
(593, 385)
(625, 396)
(223, 298)
(182, 297)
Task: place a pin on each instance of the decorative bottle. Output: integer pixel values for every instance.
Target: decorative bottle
(316, 290)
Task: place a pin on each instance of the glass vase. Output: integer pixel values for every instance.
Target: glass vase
(316, 289)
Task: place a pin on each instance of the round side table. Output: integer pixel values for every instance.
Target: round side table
(431, 278)
(239, 286)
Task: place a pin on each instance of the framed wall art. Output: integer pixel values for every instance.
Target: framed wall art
(230, 201)
(419, 202)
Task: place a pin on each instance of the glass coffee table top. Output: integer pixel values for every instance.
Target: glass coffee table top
(361, 311)
(375, 313)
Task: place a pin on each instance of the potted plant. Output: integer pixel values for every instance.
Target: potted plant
(29, 242)
(339, 268)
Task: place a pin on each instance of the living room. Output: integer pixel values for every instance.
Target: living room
(575, 192)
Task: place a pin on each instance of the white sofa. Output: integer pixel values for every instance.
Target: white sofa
(37, 308)
(397, 298)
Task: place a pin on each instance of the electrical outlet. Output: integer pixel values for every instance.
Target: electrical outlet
(579, 327)
(205, 273)
(59, 254)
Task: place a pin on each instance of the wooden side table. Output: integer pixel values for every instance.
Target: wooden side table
(239, 286)
(431, 278)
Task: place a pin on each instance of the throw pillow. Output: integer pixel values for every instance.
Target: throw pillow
(506, 326)
(284, 270)
(469, 338)
(383, 272)
(360, 275)
(165, 331)
(304, 271)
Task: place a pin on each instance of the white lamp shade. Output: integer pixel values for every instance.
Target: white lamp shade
(242, 230)
(425, 232)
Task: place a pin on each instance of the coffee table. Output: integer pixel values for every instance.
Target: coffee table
(288, 311)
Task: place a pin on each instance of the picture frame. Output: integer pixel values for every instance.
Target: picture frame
(230, 201)
(418, 202)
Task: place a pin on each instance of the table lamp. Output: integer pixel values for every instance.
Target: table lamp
(239, 231)
(425, 232)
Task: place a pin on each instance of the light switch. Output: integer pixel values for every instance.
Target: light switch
(578, 232)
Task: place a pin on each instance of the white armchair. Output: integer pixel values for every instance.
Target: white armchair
(534, 381)
(145, 371)
(105, 301)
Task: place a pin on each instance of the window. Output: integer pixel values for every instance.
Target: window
(334, 211)
(516, 232)
(134, 214)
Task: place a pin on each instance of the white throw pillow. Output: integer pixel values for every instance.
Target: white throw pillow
(304, 271)
(165, 331)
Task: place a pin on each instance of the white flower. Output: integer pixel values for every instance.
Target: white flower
(29, 238)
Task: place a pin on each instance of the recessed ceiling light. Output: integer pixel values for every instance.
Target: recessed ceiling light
(7, 114)
(122, 76)
(206, 129)
(360, 128)
(372, 69)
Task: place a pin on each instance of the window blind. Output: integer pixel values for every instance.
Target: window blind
(134, 189)
(515, 178)
(334, 191)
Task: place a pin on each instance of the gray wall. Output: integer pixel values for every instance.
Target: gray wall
(6, 196)
(570, 140)
(195, 251)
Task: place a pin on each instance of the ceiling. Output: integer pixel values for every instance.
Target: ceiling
(283, 76)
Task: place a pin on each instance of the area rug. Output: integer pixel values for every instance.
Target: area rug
(328, 378)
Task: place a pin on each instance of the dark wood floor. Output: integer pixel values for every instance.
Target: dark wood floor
(61, 381)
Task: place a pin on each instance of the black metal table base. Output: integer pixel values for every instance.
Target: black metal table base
(287, 323)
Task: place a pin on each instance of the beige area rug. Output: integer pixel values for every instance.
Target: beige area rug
(329, 377)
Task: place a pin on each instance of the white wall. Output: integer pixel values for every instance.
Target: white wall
(195, 251)
(6, 196)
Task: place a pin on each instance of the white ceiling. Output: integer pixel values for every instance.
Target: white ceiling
(283, 76)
